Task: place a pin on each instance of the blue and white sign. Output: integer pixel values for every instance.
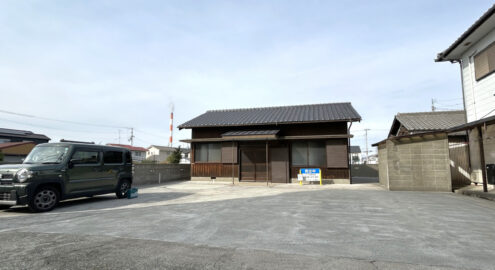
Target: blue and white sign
(309, 174)
(310, 171)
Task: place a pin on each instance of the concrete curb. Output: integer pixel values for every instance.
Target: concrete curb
(476, 192)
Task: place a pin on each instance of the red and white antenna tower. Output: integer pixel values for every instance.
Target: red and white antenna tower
(171, 124)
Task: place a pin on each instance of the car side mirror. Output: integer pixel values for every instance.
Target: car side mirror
(70, 165)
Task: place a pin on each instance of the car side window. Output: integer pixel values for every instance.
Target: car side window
(113, 157)
(86, 157)
(128, 158)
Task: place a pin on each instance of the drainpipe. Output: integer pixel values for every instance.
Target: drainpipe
(232, 162)
(266, 153)
(465, 114)
(349, 152)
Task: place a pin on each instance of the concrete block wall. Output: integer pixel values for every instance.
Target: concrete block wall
(421, 165)
(144, 174)
(383, 165)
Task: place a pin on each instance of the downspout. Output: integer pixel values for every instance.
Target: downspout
(465, 115)
(349, 152)
(232, 162)
(266, 153)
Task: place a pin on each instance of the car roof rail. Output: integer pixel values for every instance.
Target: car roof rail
(69, 141)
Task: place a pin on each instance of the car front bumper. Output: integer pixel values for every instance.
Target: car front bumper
(15, 194)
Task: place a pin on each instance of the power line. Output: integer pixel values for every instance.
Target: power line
(58, 120)
(42, 126)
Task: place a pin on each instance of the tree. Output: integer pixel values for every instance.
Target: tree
(175, 156)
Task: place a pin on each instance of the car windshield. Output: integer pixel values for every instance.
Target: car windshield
(47, 155)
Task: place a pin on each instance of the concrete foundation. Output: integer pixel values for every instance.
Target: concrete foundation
(217, 179)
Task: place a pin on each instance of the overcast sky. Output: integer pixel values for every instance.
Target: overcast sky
(121, 63)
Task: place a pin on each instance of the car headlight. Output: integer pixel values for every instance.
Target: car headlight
(24, 174)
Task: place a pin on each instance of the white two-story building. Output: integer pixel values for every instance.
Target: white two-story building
(474, 50)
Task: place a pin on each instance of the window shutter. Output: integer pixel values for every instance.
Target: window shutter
(484, 62)
(481, 67)
(337, 154)
(227, 149)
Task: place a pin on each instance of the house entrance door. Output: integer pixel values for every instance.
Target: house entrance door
(279, 164)
(253, 163)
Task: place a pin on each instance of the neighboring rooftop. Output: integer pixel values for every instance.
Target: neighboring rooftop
(355, 149)
(130, 147)
(13, 144)
(428, 121)
(478, 30)
(312, 113)
(164, 148)
(22, 134)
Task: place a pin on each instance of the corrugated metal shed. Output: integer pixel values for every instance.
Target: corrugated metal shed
(424, 121)
(312, 113)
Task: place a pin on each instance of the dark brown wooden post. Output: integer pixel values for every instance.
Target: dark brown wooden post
(482, 159)
(266, 161)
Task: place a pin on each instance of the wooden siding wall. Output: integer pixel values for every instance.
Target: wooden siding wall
(213, 170)
(334, 128)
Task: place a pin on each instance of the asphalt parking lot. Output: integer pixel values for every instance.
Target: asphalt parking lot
(192, 225)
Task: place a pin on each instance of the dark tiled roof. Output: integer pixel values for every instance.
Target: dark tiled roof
(355, 149)
(249, 132)
(22, 134)
(430, 121)
(329, 112)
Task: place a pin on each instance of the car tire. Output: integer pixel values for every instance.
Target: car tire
(122, 188)
(44, 199)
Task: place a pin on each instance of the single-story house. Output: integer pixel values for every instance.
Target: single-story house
(272, 144)
(355, 153)
(159, 153)
(138, 153)
(15, 152)
(14, 135)
(421, 154)
(185, 156)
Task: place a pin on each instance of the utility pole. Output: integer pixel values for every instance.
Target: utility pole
(366, 138)
(119, 136)
(433, 105)
(131, 139)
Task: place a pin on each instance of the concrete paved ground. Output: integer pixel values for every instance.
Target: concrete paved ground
(215, 226)
(364, 180)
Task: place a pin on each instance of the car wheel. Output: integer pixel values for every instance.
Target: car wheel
(44, 199)
(122, 188)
